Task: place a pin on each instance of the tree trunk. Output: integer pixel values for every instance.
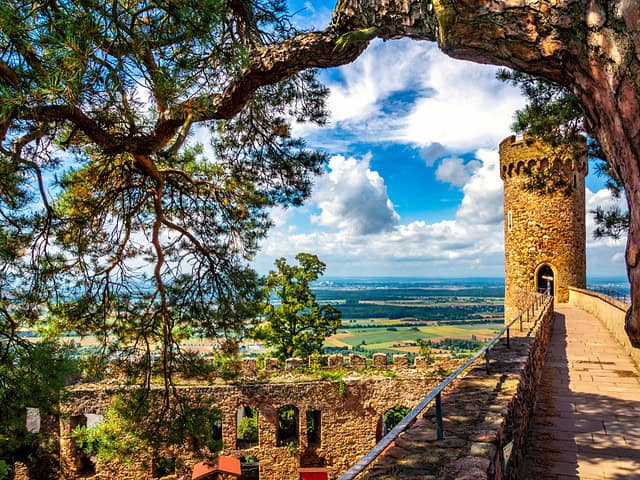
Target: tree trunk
(590, 46)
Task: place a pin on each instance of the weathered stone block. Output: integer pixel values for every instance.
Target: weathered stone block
(249, 366)
(271, 364)
(420, 362)
(379, 360)
(335, 361)
(401, 360)
(357, 362)
(293, 364)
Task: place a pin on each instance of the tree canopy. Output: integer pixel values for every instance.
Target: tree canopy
(113, 220)
(295, 324)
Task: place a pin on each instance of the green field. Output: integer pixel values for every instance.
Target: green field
(402, 338)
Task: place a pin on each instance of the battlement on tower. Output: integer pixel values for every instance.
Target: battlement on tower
(528, 154)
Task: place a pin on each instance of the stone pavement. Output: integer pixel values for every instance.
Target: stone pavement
(587, 418)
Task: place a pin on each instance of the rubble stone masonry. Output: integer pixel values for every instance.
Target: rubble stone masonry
(350, 415)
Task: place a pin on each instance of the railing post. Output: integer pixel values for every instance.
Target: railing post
(508, 344)
(528, 308)
(521, 321)
(439, 424)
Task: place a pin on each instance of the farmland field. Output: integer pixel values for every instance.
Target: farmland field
(399, 318)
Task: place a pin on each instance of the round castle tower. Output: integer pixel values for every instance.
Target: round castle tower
(544, 220)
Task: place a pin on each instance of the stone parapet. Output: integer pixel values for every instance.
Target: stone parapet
(350, 410)
(254, 368)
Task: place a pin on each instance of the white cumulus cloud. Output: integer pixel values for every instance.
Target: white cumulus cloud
(364, 235)
(455, 171)
(353, 198)
(409, 92)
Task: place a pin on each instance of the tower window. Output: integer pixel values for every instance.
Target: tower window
(509, 220)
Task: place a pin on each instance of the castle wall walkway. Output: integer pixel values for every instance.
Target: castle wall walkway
(587, 417)
(486, 417)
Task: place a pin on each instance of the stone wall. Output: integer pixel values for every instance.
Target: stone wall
(487, 417)
(609, 311)
(543, 224)
(351, 410)
(251, 369)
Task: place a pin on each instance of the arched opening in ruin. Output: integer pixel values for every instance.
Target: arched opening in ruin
(84, 462)
(247, 434)
(164, 466)
(314, 428)
(250, 468)
(390, 419)
(545, 279)
(288, 433)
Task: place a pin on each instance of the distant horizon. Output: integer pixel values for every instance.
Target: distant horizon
(617, 284)
(444, 277)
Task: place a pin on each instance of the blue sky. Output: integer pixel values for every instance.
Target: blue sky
(412, 187)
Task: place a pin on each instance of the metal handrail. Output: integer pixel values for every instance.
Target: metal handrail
(614, 293)
(358, 467)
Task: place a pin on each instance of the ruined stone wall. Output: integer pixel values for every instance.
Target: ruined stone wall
(544, 219)
(350, 413)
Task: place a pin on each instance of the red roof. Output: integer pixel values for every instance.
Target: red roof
(313, 473)
(222, 464)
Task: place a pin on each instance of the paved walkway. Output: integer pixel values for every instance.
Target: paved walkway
(587, 420)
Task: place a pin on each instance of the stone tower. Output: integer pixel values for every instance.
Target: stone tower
(544, 220)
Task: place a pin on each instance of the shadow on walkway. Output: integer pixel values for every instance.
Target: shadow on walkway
(587, 417)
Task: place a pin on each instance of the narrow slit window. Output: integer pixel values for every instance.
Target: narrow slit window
(509, 220)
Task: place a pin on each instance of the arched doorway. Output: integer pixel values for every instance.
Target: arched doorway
(545, 280)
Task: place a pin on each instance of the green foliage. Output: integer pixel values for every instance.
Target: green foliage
(435, 312)
(361, 35)
(111, 224)
(164, 466)
(552, 112)
(336, 376)
(394, 415)
(295, 323)
(193, 365)
(292, 448)
(228, 367)
(135, 423)
(287, 426)
(610, 223)
(425, 351)
(93, 366)
(454, 344)
(248, 427)
(31, 375)
(5, 470)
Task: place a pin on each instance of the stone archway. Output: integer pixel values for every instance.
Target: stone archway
(545, 279)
